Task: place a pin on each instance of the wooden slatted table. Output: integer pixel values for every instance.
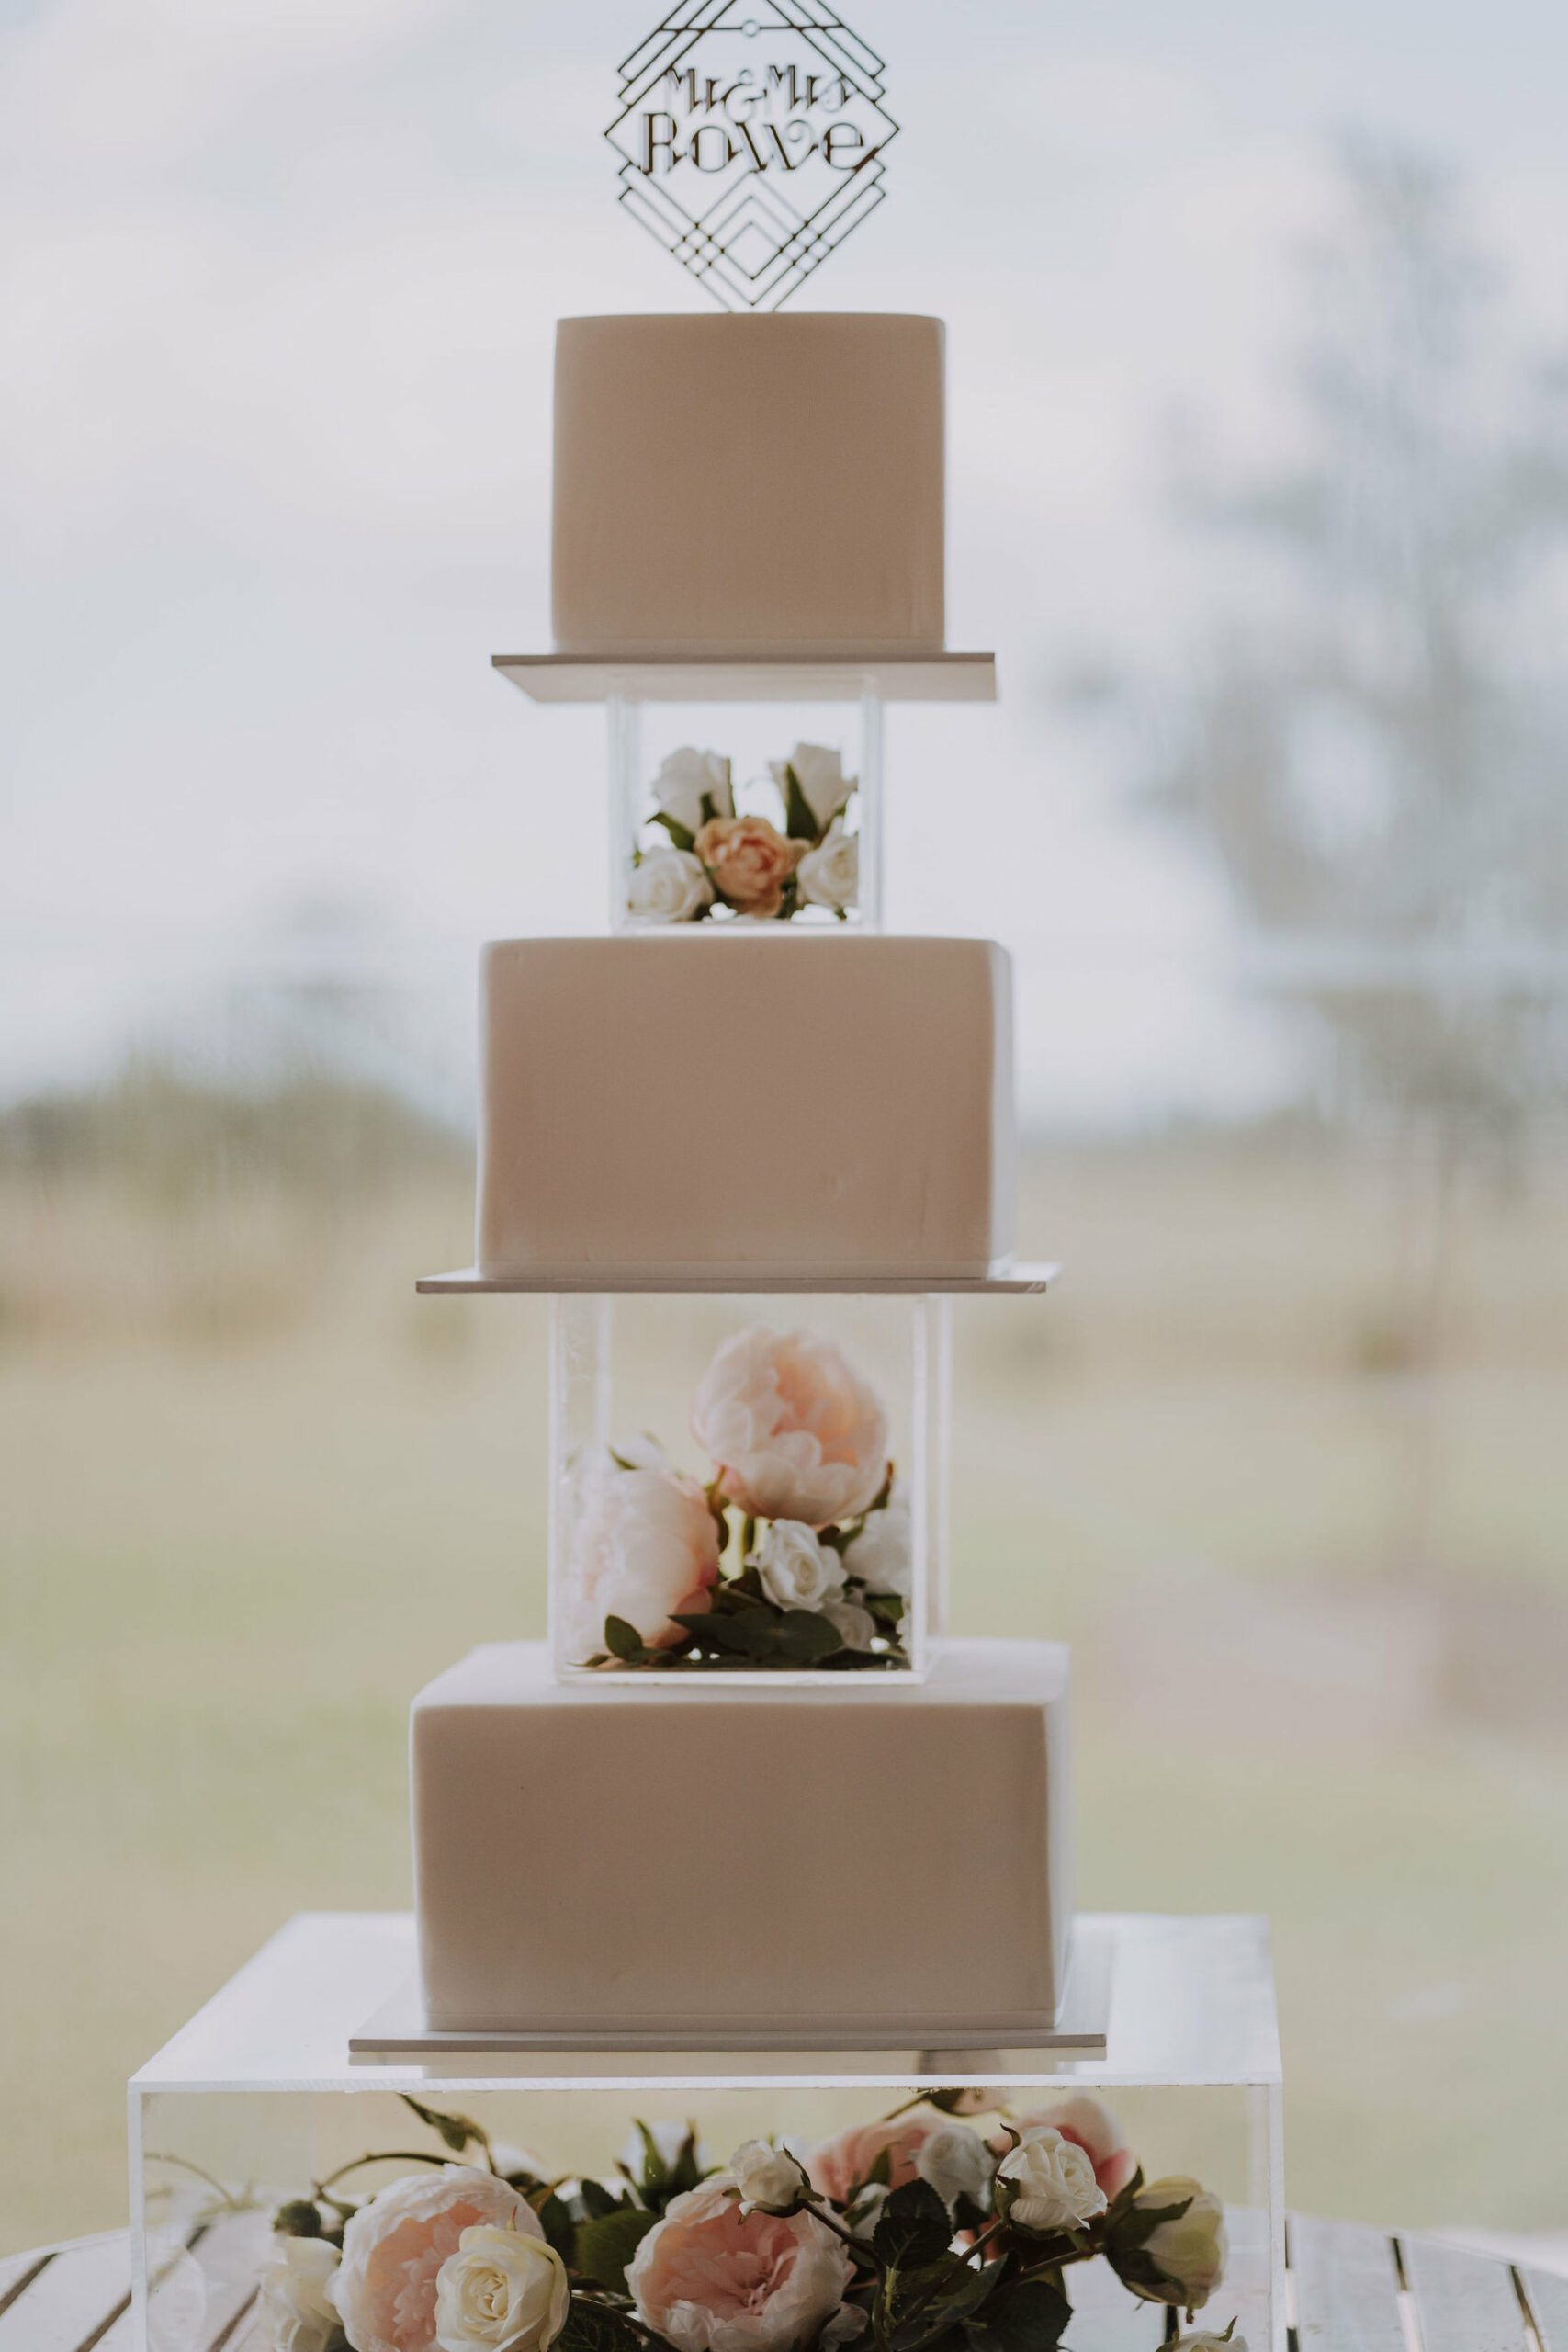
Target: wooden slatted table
(1350, 2290)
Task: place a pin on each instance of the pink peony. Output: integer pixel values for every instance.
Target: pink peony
(796, 1433)
(1090, 2126)
(646, 1544)
(840, 2165)
(384, 2291)
(712, 2278)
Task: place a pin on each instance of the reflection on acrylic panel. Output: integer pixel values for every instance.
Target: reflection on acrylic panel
(746, 828)
(746, 1486)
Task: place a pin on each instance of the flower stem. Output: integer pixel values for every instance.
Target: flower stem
(185, 2165)
(387, 2156)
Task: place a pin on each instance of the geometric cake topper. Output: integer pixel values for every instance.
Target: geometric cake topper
(752, 133)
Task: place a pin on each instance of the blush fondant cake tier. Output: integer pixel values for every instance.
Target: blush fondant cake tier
(745, 1108)
(720, 1858)
(745, 485)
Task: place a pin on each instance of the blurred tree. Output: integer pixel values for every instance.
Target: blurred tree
(1373, 741)
(1379, 753)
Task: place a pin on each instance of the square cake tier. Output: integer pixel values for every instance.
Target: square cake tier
(745, 1107)
(734, 486)
(643, 1858)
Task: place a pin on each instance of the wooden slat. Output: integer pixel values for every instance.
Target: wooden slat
(1545, 2292)
(71, 2303)
(18, 2272)
(1347, 2287)
(1464, 2302)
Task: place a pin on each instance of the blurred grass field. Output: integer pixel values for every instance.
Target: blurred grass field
(257, 1493)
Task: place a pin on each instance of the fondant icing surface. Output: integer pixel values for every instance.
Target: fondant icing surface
(597, 1857)
(747, 1105)
(733, 485)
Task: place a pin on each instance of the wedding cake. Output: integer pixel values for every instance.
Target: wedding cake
(728, 488)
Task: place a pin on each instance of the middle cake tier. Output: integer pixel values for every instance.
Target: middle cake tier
(745, 1108)
(869, 1861)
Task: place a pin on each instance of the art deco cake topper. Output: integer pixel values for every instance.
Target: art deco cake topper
(751, 134)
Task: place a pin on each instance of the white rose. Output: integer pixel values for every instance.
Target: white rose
(1203, 2339)
(1189, 2251)
(670, 886)
(883, 1553)
(956, 2163)
(829, 875)
(855, 1626)
(501, 2292)
(819, 773)
(293, 2294)
(1054, 2182)
(769, 2178)
(685, 776)
(796, 1570)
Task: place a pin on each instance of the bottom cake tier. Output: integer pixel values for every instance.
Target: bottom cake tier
(726, 1857)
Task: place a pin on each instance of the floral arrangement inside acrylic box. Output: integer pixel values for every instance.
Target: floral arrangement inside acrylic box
(917, 2232)
(697, 858)
(796, 1553)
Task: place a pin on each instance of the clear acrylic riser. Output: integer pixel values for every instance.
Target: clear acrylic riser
(260, 2097)
(627, 1367)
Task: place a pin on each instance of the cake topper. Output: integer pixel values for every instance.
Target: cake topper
(751, 134)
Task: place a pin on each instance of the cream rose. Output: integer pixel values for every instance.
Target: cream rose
(855, 1626)
(795, 1434)
(748, 861)
(830, 875)
(819, 772)
(668, 885)
(503, 2291)
(1051, 2181)
(795, 1570)
(645, 1544)
(1189, 2251)
(394, 2250)
(1090, 2123)
(713, 2278)
(956, 2163)
(883, 1553)
(292, 2292)
(768, 2177)
(683, 779)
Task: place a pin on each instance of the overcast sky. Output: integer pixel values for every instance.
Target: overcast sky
(279, 279)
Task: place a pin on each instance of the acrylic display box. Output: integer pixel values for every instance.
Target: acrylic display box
(262, 2096)
(808, 1437)
(680, 730)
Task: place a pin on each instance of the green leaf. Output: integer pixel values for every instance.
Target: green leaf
(555, 2220)
(623, 1641)
(456, 2130)
(804, 1637)
(880, 2172)
(590, 2327)
(799, 823)
(682, 835)
(597, 2200)
(602, 2249)
(914, 2230)
(1029, 2317)
(709, 813)
(888, 1607)
(300, 2218)
(959, 2295)
(1137, 2223)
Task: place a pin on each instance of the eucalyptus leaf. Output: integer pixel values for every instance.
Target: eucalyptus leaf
(456, 2130)
(591, 2327)
(682, 835)
(1030, 2316)
(602, 2249)
(800, 824)
(623, 1641)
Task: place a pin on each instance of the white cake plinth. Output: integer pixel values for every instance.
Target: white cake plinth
(725, 1858)
(746, 1107)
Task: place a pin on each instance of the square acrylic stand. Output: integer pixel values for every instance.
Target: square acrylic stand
(641, 1380)
(262, 2095)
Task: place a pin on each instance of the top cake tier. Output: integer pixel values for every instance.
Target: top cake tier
(737, 486)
